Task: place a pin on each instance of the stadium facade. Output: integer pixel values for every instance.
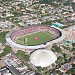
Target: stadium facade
(10, 37)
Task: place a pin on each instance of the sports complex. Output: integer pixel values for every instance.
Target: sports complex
(35, 37)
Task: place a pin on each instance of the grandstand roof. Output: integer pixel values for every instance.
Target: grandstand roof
(57, 24)
(43, 58)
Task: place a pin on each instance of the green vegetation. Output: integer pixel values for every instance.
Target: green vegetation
(39, 69)
(43, 37)
(42, 71)
(6, 0)
(58, 72)
(71, 71)
(47, 73)
(73, 49)
(59, 20)
(66, 57)
(60, 60)
(49, 2)
(67, 48)
(12, 26)
(17, 13)
(21, 55)
(6, 50)
(66, 26)
(2, 37)
(67, 3)
(55, 48)
(73, 44)
(46, 14)
(46, 1)
(21, 5)
(47, 22)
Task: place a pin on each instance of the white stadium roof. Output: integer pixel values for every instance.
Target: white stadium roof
(43, 58)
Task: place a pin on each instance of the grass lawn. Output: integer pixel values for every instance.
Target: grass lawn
(35, 38)
(2, 36)
(6, 50)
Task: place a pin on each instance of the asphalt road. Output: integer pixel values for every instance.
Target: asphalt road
(13, 70)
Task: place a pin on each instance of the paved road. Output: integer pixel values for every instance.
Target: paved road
(69, 27)
(13, 70)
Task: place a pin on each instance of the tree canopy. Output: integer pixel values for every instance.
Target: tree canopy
(21, 55)
(2, 37)
(6, 50)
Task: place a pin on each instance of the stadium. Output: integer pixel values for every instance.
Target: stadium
(34, 37)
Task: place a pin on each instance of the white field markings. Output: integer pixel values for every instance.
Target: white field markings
(33, 33)
(17, 38)
(25, 35)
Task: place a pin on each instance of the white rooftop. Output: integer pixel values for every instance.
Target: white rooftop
(43, 58)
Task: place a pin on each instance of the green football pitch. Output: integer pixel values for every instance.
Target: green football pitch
(35, 38)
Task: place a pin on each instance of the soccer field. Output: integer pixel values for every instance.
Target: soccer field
(35, 38)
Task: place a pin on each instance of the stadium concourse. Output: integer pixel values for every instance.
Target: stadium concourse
(12, 35)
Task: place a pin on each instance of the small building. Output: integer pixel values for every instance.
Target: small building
(65, 67)
(57, 24)
(73, 60)
(2, 64)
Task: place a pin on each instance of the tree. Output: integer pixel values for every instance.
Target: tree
(2, 37)
(6, 50)
(47, 22)
(26, 57)
(39, 70)
(47, 73)
(46, 1)
(71, 71)
(56, 48)
(58, 72)
(73, 49)
(21, 55)
(42, 71)
(60, 60)
(66, 58)
(73, 44)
